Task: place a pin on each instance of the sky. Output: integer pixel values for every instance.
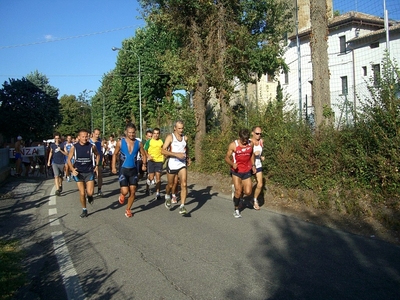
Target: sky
(70, 41)
(67, 41)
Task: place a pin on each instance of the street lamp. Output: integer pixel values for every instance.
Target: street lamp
(91, 110)
(140, 88)
(103, 96)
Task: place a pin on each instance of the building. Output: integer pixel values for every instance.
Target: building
(356, 47)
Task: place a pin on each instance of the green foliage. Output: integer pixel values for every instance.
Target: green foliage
(75, 115)
(216, 42)
(12, 276)
(30, 106)
(377, 131)
(341, 167)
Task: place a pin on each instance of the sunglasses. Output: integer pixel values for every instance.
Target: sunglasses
(258, 133)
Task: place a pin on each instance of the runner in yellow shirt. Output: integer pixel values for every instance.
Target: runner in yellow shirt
(155, 160)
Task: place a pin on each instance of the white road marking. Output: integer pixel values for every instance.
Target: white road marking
(52, 211)
(67, 269)
(54, 222)
(53, 200)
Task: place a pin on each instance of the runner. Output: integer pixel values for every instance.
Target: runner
(175, 148)
(258, 147)
(86, 160)
(67, 147)
(110, 150)
(56, 160)
(18, 155)
(149, 134)
(240, 158)
(155, 160)
(127, 149)
(96, 140)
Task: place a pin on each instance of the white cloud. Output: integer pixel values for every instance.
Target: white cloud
(48, 37)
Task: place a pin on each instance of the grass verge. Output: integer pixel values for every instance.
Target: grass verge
(12, 275)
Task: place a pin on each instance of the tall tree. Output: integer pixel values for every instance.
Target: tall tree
(220, 41)
(320, 62)
(28, 109)
(43, 83)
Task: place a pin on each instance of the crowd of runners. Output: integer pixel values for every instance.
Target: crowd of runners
(83, 158)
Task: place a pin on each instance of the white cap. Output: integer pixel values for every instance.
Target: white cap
(19, 138)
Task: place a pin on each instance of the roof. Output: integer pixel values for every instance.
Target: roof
(351, 17)
(377, 33)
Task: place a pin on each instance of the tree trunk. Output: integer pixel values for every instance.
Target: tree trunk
(200, 94)
(225, 117)
(319, 58)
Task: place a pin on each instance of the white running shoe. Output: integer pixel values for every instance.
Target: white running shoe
(237, 214)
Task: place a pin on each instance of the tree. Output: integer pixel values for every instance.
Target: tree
(28, 109)
(75, 115)
(319, 58)
(43, 83)
(219, 41)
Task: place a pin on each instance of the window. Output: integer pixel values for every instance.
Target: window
(286, 78)
(364, 71)
(270, 78)
(344, 85)
(376, 69)
(342, 41)
(374, 45)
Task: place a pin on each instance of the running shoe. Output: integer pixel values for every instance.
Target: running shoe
(100, 194)
(174, 200)
(121, 199)
(68, 179)
(90, 199)
(60, 188)
(84, 213)
(237, 214)
(158, 197)
(167, 202)
(128, 213)
(255, 205)
(182, 210)
(58, 193)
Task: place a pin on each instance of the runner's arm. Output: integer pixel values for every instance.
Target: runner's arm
(69, 160)
(50, 156)
(231, 149)
(114, 157)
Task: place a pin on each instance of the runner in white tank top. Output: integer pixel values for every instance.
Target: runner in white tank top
(257, 149)
(175, 163)
(176, 150)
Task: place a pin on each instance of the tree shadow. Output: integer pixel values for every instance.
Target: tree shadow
(44, 280)
(298, 260)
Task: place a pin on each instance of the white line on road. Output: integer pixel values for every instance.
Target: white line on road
(54, 222)
(52, 200)
(67, 269)
(52, 211)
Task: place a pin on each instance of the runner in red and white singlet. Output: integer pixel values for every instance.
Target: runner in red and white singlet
(240, 158)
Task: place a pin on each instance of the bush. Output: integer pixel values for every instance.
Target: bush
(332, 163)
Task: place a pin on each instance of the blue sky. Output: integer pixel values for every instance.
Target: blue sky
(68, 41)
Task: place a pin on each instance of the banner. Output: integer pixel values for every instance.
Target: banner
(29, 151)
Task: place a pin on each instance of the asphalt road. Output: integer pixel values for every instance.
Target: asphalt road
(208, 254)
